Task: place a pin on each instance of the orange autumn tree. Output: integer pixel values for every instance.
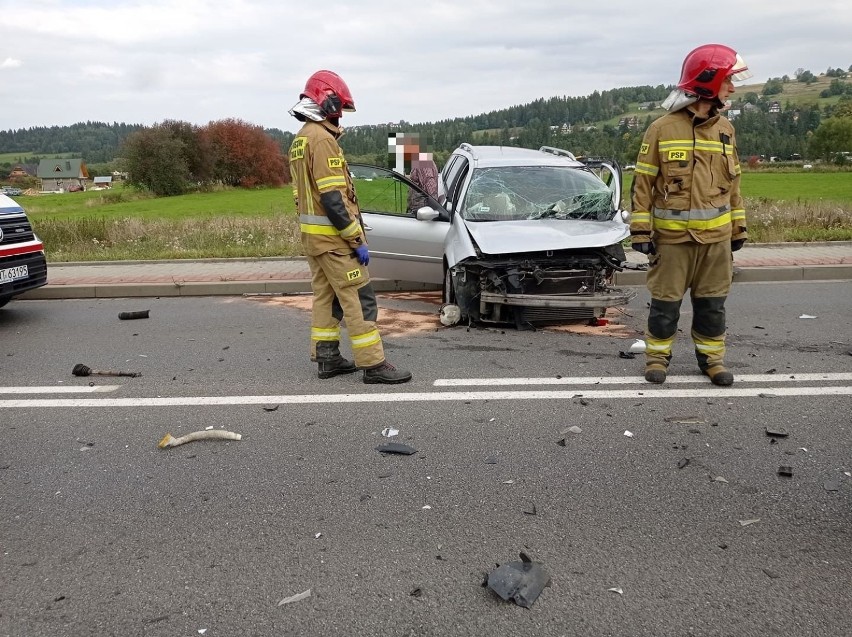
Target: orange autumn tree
(244, 155)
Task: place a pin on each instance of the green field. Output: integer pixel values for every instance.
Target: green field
(790, 186)
(16, 158)
(121, 224)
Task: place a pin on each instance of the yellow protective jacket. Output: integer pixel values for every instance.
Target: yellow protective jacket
(686, 185)
(325, 197)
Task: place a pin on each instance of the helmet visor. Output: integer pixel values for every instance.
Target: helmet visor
(740, 71)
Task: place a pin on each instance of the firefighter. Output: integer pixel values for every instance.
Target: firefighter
(688, 214)
(333, 237)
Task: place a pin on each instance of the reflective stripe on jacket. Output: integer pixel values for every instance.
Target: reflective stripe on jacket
(318, 167)
(686, 185)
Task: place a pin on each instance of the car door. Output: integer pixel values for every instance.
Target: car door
(405, 245)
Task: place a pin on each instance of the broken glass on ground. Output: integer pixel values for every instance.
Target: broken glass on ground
(521, 582)
(389, 432)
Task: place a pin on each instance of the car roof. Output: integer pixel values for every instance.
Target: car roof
(496, 156)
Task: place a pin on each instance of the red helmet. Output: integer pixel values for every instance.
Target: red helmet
(330, 92)
(706, 68)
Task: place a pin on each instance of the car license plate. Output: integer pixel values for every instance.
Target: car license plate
(12, 274)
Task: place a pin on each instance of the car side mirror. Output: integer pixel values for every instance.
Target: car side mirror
(427, 214)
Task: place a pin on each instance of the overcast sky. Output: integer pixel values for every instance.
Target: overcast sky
(145, 61)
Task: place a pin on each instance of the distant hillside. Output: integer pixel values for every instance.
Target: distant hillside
(606, 123)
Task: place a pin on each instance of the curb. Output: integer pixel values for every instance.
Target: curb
(761, 274)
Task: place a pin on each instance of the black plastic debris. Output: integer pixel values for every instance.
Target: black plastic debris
(562, 442)
(417, 592)
(682, 463)
(770, 573)
(521, 582)
(776, 433)
(530, 509)
(131, 316)
(626, 355)
(270, 407)
(491, 460)
(785, 471)
(396, 447)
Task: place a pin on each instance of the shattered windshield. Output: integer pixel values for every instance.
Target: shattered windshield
(536, 192)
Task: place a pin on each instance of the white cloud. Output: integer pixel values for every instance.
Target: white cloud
(143, 61)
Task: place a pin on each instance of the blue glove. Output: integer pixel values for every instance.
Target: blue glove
(736, 244)
(646, 247)
(363, 255)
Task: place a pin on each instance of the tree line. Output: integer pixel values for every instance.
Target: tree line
(173, 156)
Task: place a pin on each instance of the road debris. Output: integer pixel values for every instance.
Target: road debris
(270, 407)
(562, 442)
(131, 316)
(389, 432)
(638, 347)
(776, 433)
(85, 370)
(629, 355)
(618, 590)
(770, 573)
(574, 430)
(298, 597)
(685, 420)
(217, 434)
(807, 316)
(397, 448)
(521, 582)
(720, 479)
(682, 463)
(417, 592)
(530, 509)
(785, 471)
(629, 434)
(749, 522)
(832, 485)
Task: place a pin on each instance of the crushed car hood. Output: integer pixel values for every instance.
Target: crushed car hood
(507, 237)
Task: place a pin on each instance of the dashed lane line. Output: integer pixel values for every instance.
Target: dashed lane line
(396, 397)
(633, 380)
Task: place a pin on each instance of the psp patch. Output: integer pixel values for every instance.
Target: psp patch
(643, 149)
(353, 274)
(678, 155)
(335, 162)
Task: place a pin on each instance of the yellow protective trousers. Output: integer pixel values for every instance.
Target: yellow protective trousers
(342, 291)
(706, 270)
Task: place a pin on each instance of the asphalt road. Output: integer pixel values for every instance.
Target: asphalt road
(102, 533)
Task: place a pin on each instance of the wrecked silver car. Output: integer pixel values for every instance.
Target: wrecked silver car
(520, 236)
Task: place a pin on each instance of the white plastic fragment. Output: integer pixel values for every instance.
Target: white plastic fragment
(317, 536)
(208, 428)
(720, 479)
(848, 473)
(637, 347)
(747, 522)
(508, 482)
(803, 449)
(575, 430)
(618, 590)
(426, 508)
(807, 316)
(298, 597)
(219, 434)
(389, 432)
(629, 434)
(201, 631)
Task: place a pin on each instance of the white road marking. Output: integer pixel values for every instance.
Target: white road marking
(636, 380)
(59, 389)
(349, 399)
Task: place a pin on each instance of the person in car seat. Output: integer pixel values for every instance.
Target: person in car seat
(688, 214)
(333, 237)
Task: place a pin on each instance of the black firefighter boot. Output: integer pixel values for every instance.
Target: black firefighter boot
(387, 374)
(330, 362)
